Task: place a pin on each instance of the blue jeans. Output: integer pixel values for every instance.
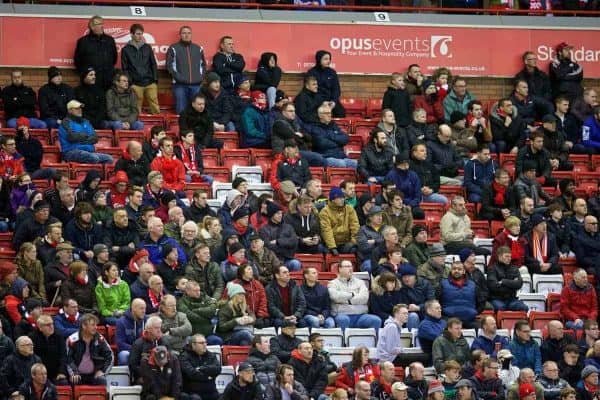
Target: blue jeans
(183, 95)
(573, 325)
(510, 305)
(213, 340)
(365, 266)
(51, 123)
(314, 159)
(240, 338)
(435, 198)
(3, 226)
(43, 173)
(271, 92)
(413, 320)
(313, 322)
(85, 157)
(123, 357)
(110, 321)
(118, 125)
(293, 264)
(358, 321)
(341, 162)
(34, 123)
(474, 198)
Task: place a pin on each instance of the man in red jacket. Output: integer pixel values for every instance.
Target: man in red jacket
(578, 301)
(170, 167)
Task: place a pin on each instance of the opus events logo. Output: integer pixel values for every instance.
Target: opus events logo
(434, 46)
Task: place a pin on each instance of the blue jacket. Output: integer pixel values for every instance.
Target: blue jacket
(328, 140)
(526, 355)
(64, 327)
(317, 300)
(128, 330)
(83, 239)
(489, 346)
(431, 328)
(255, 128)
(382, 305)
(419, 294)
(155, 249)
(408, 183)
(76, 134)
(590, 133)
(327, 78)
(478, 175)
(456, 301)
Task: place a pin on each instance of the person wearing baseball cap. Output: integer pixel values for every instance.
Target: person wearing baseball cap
(161, 375)
(566, 75)
(339, 224)
(464, 390)
(245, 386)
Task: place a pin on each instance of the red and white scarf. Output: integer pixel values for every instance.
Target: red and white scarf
(540, 247)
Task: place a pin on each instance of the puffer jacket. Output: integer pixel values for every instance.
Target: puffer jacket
(375, 163)
(199, 373)
(317, 300)
(76, 134)
(348, 296)
(99, 350)
(137, 171)
(283, 130)
(479, 175)
(229, 67)
(16, 369)
(417, 254)
(265, 366)
(418, 294)
(139, 63)
(312, 374)
(503, 281)
(208, 277)
(121, 106)
(285, 237)
(199, 122)
(428, 175)
(267, 76)
(418, 132)
(327, 78)
(186, 63)
(199, 312)
(339, 225)
(328, 139)
(446, 348)
(444, 157)
(500, 132)
(128, 330)
(53, 100)
(307, 103)
(94, 99)
(576, 302)
(366, 233)
(297, 301)
(526, 354)
(451, 103)
(408, 183)
(458, 299)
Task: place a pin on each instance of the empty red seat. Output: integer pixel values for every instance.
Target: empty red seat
(481, 229)
(231, 157)
(89, 392)
(540, 319)
(220, 174)
(210, 157)
(79, 171)
(507, 319)
(51, 154)
(231, 140)
(363, 129)
(123, 136)
(64, 392)
(354, 106)
(317, 173)
(311, 260)
(336, 175)
(344, 124)
(374, 108)
(233, 355)
(42, 135)
(262, 158)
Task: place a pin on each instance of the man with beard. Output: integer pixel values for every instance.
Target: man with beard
(428, 175)
(19, 101)
(82, 232)
(93, 97)
(458, 296)
(376, 160)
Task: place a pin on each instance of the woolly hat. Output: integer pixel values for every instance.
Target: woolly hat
(549, 119)
(437, 249)
(526, 389)
(167, 249)
(279, 95)
(120, 176)
(288, 187)
(23, 121)
(456, 116)
(235, 247)
(86, 72)
(41, 205)
(418, 229)
(435, 386)
(537, 219)
(588, 370)
(7, 268)
(426, 83)
(407, 269)
(241, 79)
(211, 77)
(272, 208)
(99, 248)
(465, 253)
(529, 165)
(32, 304)
(17, 287)
(241, 212)
(244, 366)
(233, 289)
(463, 383)
(335, 193)
(53, 71)
(167, 196)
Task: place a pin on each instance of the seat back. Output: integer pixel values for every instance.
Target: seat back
(360, 337)
(222, 380)
(118, 376)
(333, 336)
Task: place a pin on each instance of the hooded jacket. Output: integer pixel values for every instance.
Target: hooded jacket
(199, 373)
(255, 128)
(121, 106)
(503, 281)
(94, 100)
(327, 78)
(76, 134)
(267, 76)
(307, 104)
(161, 381)
(382, 301)
(312, 374)
(566, 77)
(53, 100)
(19, 101)
(487, 389)
(16, 369)
(139, 63)
(479, 175)
(398, 100)
(128, 329)
(185, 63)
(112, 297)
(339, 225)
(265, 366)
(408, 183)
(229, 67)
(451, 103)
(201, 123)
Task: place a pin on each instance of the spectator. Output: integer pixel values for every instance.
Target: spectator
(397, 139)
(578, 301)
(263, 360)
(134, 164)
(526, 351)
(512, 238)
(536, 153)
(457, 99)
(530, 108)
(349, 297)
(16, 368)
(527, 186)
(268, 76)
(376, 160)
(479, 173)
(459, 296)
(590, 335)
(54, 272)
(556, 144)
(389, 345)
(526, 382)
(450, 346)
(582, 107)
(199, 208)
(415, 292)
(489, 341)
(244, 386)
(565, 74)
(504, 280)
(93, 97)
(236, 321)
(570, 365)
(161, 374)
(478, 125)
(369, 238)
(286, 342)
(418, 252)
(329, 140)
(309, 370)
(77, 138)
(415, 383)
(445, 158)
(255, 122)
(450, 378)
(537, 80)
(204, 271)
(474, 364)
(20, 101)
(318, 307)
(385, 293)
(97, 50)
(139, 63)
(508, 373)
(78, 286)
(567, 125)
(176, 327)
(30, 269)
(122, 105)
(587, 387)
(199, 369)
(593, 355)
(38, 383)
(432, 325)
(129, 327)
(541, 253)
(486, 381)
(428, 175)
(112, 294)
(397, 99)
(434, 269)
(154, 294)
(430, 101)
(361, 368)
(143, 346)
(408, 184)
(47, 242)
(496, 198)
(54, 98)
(339, 224)
(382, 387)
(195, 117)
(67, 321)
(228, 64)
(328, 82)
(309, 100)
(553, 385)
(83, 232)
(558, 227)
(456, 232)
(418, 129)
(590, 133)
(30, 148)
(586, 243)
(199, 309)
(307, 225)
(507, 126)
(285, 299)
(187, 66)
(554, 345)
(89, 357)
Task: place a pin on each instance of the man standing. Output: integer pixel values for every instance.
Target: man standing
(186, 65)
(228, 64)
(97, 50)
(537, 80)
(138, 61)
(565, 74)
(199, 369)
(19, 101)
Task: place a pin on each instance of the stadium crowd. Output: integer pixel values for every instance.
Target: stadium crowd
(143, 275)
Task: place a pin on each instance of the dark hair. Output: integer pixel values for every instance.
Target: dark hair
(520, 324)
(346, 182)
(476, 355)
(499, 172)
(561, 97)
(453, 321)
(571, 348)
(156, 129)
(256, 340)
(588, 323)
(241, 269)
(357, 357)
(281, 370)
(483, 146)
(309, 78)
(472, 103)
(136, 27)
(184, 27)
(165, 139)
(106, 268)
(536, 134)
(503, 100)
(412, 65)
(199, 96)
(6, 138)
(517, 81)
(528, 52)
(223, 38)
(314, 336)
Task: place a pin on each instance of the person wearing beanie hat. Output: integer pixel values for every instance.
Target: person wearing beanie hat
(170, 268)
(218, 103)
(339, 224)
(19, 102)
(236, 257)
(254, 122)
(435, 386)
(280, 237)
(418, 251)
(268, 77)
(434, 269)
(542, 252)
(236, 322)
(93, 97)
(466, 141)
(431, 102)
(370, 237)
(53, 98)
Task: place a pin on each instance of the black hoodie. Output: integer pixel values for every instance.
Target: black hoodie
(53, 100)
(94, 100)
(267, 76)
(329, 83)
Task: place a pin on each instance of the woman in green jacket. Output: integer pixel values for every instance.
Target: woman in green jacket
(236, 322)
(112, 294)
(30, 269)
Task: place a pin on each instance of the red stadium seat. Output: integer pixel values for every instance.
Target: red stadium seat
(363, 129)
(52, 311)
(330, 260)
(344, 124)
(317, 173)
(6, 239)
(151, 119)
(191, 187)
(311, 260)
(210, 157)
(481, 229)
(374, 108)
(568, 265)
(354, 106)
(508, 162)
(233, 355)
(42, 135)
(220, 174)
(507, 319)
(540, 319)
(64, 392)
(89, 392)
(105, 138)
(171, 122)
(553, 301)
(558, 175)
(78, 171)
(587, 177)
(263, 158)
(451, 190)
(166, 101)
(433, 211)
(496, 227)
(123, 136)
(51, 154)
(581, 162)
(231, 140)
(337, 175)
(231, 157)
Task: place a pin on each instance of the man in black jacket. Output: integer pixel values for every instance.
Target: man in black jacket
(97, 50)
(219, 103)
(283, 344)
(377, 159)
(50, 347)
(16, 368)
(537, 80)
(293, 166)
(199, 369)
(138, 61)
(309, 369)
(245, 386)
(93, 98)
(503, 281)
(199, 207)
(264, 361)
(53, 99)
(308, 101)
(195, 117)
(134, 164)
(228, 64)
(428, 175)
(444, 157)
(19, 101)
(291, 309)
(507, 126)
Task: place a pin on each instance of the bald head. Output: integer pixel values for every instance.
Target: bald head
(444, 133)
(555, 329)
